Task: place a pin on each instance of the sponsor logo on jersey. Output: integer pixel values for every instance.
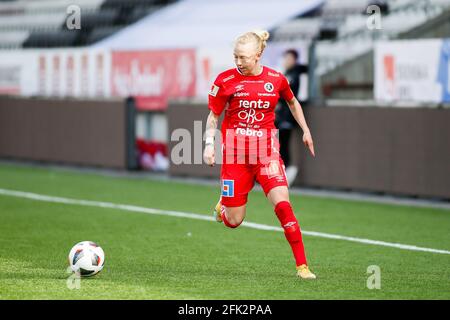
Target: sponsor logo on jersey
(268, 87)
(273, 74)
(252, 81)
(265, 94)
(249, 132)
(227, 188)
(239, 87)
(254, 104)
(250, 115)
(214, 90)
(228, 78)
(241, 94)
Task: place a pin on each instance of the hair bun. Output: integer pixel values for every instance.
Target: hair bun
(258, 37)
(262, 34)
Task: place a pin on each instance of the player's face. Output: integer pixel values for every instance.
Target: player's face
(246, 57)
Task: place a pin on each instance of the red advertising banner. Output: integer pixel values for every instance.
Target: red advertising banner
(153, 76)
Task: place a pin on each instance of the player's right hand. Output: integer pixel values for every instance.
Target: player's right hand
(209, 156)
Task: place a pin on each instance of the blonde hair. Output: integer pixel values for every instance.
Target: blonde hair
(259, 37)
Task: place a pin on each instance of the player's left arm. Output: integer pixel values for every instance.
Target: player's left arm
(299, 116)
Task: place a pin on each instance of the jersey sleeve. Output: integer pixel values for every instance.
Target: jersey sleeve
(285, 90)
(217, 98)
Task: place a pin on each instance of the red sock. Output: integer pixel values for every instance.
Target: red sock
(292, 231)
(225, 220)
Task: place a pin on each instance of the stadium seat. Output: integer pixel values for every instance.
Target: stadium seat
(40, 21)
(340, 26)
(52, 39)
(131, 3)
(32, 23)
(302, 28)
(13, 39)
(105, 17)
(100, 33)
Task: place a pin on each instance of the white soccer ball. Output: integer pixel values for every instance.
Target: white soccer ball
(86, 258)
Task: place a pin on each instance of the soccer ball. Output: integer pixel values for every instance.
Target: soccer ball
(86, 258)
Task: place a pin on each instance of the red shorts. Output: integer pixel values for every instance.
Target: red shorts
(237, 180)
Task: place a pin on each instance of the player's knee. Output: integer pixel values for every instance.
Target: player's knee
(232, 222)
(231, 225)
(278, 195)
(233, 219)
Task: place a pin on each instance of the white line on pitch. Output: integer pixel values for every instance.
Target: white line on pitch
(126, 207)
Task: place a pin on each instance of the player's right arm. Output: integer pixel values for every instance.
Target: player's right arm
(217, 100)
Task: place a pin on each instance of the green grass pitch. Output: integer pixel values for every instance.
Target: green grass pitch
(163, 257)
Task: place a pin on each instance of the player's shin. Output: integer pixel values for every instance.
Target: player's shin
(292, 231)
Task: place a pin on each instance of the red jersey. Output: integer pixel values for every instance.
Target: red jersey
(249, 103)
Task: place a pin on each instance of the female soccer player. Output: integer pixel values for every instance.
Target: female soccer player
(249, 94)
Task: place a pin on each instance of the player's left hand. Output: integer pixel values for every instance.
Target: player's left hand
(308, 141)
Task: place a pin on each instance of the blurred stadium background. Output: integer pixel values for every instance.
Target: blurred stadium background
(103, 84)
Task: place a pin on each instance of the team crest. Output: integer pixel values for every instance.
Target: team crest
(268, 87)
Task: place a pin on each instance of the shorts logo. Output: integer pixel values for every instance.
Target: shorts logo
(227, 188)
(214, 90)
(268, 86)
(273, 169)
